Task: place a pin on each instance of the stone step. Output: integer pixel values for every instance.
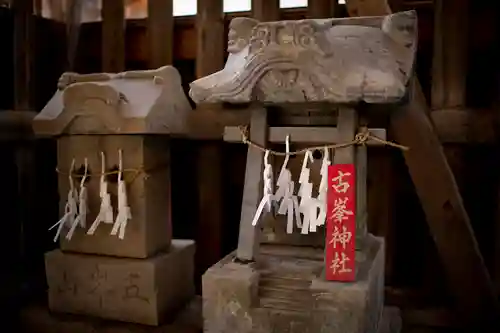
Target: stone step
(286, 305)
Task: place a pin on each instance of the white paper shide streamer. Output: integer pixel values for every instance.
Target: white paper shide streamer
(267, 198)
(70, 209)
(308, 205)
(323, 188)
(289, 205)
(124, 213)
(81, 218)
(105, 214)
(310, 212)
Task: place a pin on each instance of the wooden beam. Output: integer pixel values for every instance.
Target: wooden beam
(453, 126)
(311, 135)
(210, 58)
(113, 36)
(16, 125)
(248, 241)
(266, 10)
(160, 32)
(448, 221)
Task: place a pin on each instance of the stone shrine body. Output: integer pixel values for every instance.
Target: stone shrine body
(117, 258)
(315, 73)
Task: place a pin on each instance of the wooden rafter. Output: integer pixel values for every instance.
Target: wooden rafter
(441, 201)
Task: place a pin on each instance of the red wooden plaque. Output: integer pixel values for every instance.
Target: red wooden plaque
(341, 223)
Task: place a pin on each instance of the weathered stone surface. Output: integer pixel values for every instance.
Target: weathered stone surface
(284, 293)
(350, 60)
(147, 159)
(141, 291)
(135, 102)
(362, 302)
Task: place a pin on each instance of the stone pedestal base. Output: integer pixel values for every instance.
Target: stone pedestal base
(141, 291)
(38, 319)
(283, 291)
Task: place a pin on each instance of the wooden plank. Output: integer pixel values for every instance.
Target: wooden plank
(211, 41)
(321, 8)
(113, 36)
(266, 10)
(160, 32)
(23, 54)
(248, 241)
(312, 135)
(449, 62)
(448, 92)
(210, 50)
(448, 221)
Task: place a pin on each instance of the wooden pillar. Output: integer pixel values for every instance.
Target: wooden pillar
(248, 241)
(211, 47)
(441, 201)
(160, 32)
(24, 83)
(23, 54)
(266, 10)
(347, 126)
(113, 35)
(321, 8)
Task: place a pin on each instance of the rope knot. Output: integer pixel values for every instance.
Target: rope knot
(362, 138)
(244, 134)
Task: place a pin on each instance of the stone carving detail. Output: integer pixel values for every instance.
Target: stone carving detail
(328, 60)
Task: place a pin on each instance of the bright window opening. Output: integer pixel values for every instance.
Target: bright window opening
(137, 9)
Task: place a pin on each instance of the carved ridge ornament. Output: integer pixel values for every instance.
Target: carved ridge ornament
(367, 59)
(133, 102)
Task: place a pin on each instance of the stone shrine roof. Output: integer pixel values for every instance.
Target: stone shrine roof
(348, 60)
(134, 102)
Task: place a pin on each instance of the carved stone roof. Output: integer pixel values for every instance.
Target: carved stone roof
(346, 60)
(135, 102)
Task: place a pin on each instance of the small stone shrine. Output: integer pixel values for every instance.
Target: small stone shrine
(305, 261)
(117, 258)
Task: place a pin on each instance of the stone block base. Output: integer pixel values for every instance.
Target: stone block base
(283, 291)
(38, 319)
(141, 291)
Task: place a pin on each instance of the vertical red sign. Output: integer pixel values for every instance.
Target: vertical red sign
(341, 223)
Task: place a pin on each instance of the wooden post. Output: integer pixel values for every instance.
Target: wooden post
(347, 127)
(160, 33)
(321, 8)
(361, 161)
(113, 36)
(23, 54)
(248, 241)
(25, 155)
(210, 58)
(266, 10)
